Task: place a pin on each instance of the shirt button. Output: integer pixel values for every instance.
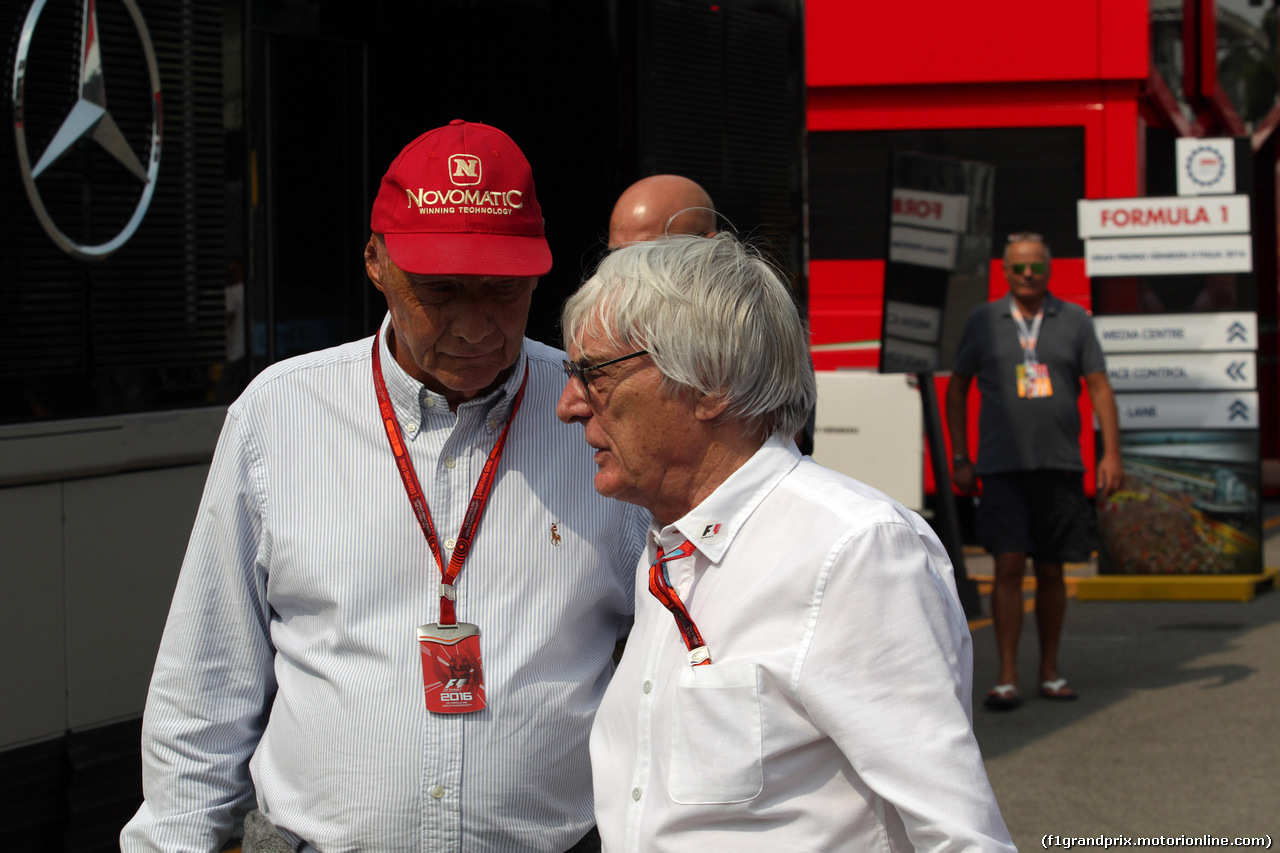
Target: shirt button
(430, 402)
(411, 428)
(449, 462)
(449, 543)
(437, 792)
(635, 794)
(648, 685)
(493, 424)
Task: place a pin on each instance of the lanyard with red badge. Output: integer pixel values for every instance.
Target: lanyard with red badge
(660, 586)
(1033, 377)
(452, 677)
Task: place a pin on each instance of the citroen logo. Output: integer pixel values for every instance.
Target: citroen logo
(87, 117)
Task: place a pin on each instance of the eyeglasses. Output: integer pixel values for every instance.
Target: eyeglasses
(1036, 267)
(582, 372)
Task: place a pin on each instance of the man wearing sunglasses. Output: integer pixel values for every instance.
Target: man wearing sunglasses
(1030, 351)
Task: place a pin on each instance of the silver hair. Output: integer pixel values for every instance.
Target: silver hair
(1027, 237)
(717, 318)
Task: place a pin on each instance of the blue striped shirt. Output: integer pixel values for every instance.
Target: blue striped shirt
(291, 647)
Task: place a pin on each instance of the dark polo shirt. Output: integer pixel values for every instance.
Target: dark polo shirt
(1016, 433)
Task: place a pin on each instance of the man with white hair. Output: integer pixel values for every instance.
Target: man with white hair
(799, 672)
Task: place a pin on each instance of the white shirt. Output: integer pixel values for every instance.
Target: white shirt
(307, 576)
(835, 715)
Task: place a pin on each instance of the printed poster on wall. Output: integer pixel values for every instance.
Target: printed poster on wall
(1189, 505)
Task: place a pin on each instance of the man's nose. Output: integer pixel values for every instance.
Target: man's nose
(473, 326)
(572, 405)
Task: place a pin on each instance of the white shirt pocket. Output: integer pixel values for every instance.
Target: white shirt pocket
(716, 749)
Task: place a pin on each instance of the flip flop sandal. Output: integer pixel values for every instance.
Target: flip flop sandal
(1057, 691)
(1003, 697)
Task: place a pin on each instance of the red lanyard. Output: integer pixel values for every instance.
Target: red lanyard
(478, 499)
(660, 586)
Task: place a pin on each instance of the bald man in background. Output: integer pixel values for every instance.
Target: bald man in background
(658, 205)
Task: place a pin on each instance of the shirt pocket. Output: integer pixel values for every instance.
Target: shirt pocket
(716, 739)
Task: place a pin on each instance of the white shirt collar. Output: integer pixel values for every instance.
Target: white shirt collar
(713, 524)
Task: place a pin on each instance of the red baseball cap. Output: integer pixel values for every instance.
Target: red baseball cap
(459, 200)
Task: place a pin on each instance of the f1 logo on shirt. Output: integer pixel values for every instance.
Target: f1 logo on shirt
(464, 170)
(711, 531)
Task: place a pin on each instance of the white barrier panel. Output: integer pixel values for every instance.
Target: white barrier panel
(870, 426)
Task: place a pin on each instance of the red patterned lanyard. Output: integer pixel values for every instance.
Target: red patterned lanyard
(660, 586)
(479, 498)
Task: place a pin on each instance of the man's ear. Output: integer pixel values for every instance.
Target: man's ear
(708, 407)
(373, 255)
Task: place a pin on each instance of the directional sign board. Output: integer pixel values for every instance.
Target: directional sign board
(1182, 371)
(1227, 330)
(1185, 380)
(1188, 411)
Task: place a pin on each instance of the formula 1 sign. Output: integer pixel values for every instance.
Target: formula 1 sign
(1151, 217)
(1168, 235)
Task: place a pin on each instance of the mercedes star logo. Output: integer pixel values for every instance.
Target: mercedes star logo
(88, 117)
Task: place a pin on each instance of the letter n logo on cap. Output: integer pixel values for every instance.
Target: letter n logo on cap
(464, 170)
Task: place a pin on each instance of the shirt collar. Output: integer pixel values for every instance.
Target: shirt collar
(713, 524)
(405, 391)
(1051, 306)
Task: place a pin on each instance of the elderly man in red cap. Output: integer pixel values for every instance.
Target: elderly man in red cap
(397, 611)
